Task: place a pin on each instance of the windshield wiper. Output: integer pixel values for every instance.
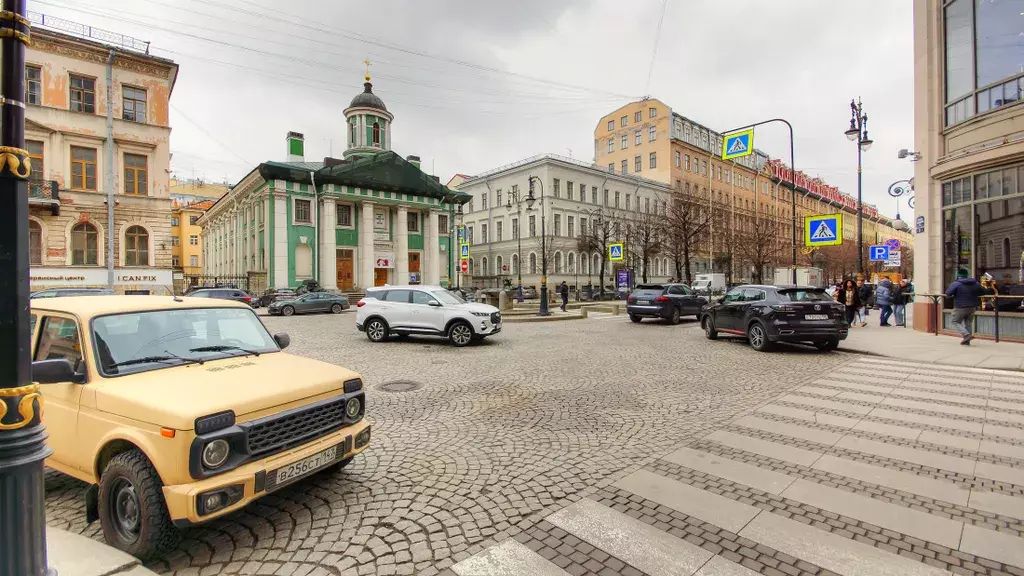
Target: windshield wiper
(222, 348)
(151, 359)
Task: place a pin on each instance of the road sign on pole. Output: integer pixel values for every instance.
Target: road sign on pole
(615, 252)
(738, 144)
(460, 233)
(823, 230)
(879, 253)
(894, 260)
(893, 244)
(463, 251)
(464, 265)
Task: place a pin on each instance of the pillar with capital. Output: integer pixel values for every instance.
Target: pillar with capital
(327, 250)
(366, 257)
(432, 249)
(402, 245)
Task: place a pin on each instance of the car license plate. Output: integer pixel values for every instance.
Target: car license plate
(306, 465)
(643, 302)
(816, 317)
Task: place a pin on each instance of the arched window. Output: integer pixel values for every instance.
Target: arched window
(584, 263)
(498, 264)
(485, 271)
(35, 243)
(84, 245)
(533, 263)
(472, 267)
(558, 262)
(515, 263)
(572, 263)
(597, 264)
(352, 133)
(136, 246)
(990, 255)
(376, 134)
(1006, 253)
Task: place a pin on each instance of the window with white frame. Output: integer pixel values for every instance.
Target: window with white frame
(637, 117)
(611, 167)
(483, 233)
(515, 228)
(558, 224)
(616, 198)
(678, 158)
(638, 138)
(622, 121)
(302, 211)
(611, 145)
(654, 160)
(625, 166)
(637, 164)
(568, 189)
(483, 201)
(570, 227)
(611, 125)
(533, 225)
(498, 230)
(344, 215)
(653, 112)
(624, 142)
(558, 188)
(652, 133)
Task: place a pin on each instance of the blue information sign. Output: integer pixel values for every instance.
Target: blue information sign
(878, 253)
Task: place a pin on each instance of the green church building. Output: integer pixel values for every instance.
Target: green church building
(367, 219)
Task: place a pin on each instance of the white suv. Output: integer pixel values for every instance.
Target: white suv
(429, 310)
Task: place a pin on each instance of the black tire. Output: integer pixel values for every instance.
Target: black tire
(132, 510)
(288, 310)
(634, 318)
(709, 328)
(827, 345)
(674, 318)
(377, 330)
(757, 335)
(336, 309)
(460, 334)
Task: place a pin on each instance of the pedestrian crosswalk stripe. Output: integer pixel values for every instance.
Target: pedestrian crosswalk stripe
(991, 544)
(823, 232)
(509, 557)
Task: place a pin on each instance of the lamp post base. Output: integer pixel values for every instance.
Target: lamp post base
(543, 298)
(23, 527)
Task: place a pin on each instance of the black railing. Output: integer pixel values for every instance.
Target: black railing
(988, 321)
(46, 193)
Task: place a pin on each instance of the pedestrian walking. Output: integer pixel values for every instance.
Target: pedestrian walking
(884, 299)
(479, 293)
(901, 297)
(864, 292)
(519, 294)
(966, 293)
(849, 296)
(563, 289)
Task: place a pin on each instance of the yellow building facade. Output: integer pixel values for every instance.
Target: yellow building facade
(190, 199)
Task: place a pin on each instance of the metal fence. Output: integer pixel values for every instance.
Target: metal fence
(1000, 317)
(85, 31)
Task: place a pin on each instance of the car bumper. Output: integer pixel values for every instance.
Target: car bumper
(485, 328)
(808, 333)
(360, 327)
(648, 311)
(182, 499)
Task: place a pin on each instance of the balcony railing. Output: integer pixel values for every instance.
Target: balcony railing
(44, 193)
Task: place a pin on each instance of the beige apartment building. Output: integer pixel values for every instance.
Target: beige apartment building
(75, 159)
(969, 135)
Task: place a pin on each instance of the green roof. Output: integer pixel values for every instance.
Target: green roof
(385, 171)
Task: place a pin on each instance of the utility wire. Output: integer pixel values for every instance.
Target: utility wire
(654, 53)
(208, 135)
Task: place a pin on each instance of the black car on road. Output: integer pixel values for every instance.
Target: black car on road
(271, 295)
(310, 302)
(61, 292)
(665, 301)
(235, 294)
(765, 315)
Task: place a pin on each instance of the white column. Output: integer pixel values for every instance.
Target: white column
(328, 245)
(365, 256)
(433, 249)
(402, 245)
(280, 233)
(264, 265)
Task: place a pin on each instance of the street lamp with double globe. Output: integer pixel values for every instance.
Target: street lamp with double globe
(858, 132)
(530, 199)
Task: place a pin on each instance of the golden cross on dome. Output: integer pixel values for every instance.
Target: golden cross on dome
(367, 62)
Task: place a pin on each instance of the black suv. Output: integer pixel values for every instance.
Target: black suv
(665, 301)
(235, 294)
(769, 314)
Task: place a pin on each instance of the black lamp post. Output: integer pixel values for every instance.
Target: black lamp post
(858, 132)
(22, 435)
(513, 197)
(530, 199)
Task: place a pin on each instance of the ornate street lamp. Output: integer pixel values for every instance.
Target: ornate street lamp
(858, 132)
(896, 190)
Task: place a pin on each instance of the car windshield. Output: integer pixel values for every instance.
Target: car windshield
(446, 297)
(803, 295)
(176, 337)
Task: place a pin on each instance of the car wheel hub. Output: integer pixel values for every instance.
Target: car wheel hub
(461, 334)
(756, 336)
(376, 330)
(126, 509)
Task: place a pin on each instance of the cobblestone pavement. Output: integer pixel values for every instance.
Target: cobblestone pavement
(879, 467)
(502, 434)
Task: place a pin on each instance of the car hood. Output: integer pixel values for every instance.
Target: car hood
(477, 307)
(174, 397)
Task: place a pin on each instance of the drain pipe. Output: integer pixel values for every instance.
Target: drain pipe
(108, 160)
(316, 227)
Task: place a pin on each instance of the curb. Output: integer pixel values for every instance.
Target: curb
(528, 319)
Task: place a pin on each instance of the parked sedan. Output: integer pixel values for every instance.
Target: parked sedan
(310, 302)
(765, 315)
(665, 301)
(222, 294)
(61, 292)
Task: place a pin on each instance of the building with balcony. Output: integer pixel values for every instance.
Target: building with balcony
(368, 219)
(969, 140)
(77, 238)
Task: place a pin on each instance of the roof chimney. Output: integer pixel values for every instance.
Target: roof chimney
(296, 147)
(414, 160)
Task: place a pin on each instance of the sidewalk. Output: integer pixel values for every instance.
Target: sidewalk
(909, 344)
(73, 555)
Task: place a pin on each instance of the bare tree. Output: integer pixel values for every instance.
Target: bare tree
(756, 244)
(596, 238)
(687, 222)
(644, 239)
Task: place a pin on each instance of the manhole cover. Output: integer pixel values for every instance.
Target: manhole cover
(400, 386)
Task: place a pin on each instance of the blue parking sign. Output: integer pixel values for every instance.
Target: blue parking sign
(878, 253)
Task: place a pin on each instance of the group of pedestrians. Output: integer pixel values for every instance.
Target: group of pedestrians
(892, 300)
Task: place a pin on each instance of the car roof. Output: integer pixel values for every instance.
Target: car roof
(89, 306)
(778, 286)
(404, 287)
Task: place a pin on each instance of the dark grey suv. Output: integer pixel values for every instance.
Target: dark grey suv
(222, 294)
(665, 301)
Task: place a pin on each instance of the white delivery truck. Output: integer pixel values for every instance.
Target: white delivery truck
(709, 284)
(804, 277)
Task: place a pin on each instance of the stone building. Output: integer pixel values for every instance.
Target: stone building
(367, 219)
(76, 161)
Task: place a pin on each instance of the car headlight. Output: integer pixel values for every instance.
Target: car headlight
(353, 408)
(215, 454)
(482, 314)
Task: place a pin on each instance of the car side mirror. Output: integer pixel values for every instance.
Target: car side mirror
(55, 371)
(283, 340)
(434, 303)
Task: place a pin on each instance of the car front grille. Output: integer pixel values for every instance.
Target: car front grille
(293, 427)
(495, 317)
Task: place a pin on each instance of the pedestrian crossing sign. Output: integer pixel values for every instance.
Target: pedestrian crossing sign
(615, 252)
(823, 230)
(738, 144)
(464, 251)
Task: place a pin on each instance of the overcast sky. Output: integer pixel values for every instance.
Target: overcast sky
(477, 84)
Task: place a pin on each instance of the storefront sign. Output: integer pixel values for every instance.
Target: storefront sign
(384, 259)
(378, 236)
(81, 277)
(817, 187)
(920, 224)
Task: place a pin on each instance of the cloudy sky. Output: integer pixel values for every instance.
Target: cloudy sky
(476, 84)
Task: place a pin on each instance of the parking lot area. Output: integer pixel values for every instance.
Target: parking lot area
(472, 445)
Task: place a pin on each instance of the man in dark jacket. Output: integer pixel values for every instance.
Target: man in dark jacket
(564, 291)
(864, 293)
(966, 294)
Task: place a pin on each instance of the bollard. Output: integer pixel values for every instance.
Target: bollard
(503, 301)
(615, 309)
(583, 313)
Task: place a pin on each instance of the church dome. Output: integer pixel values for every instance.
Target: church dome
(367, 99)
